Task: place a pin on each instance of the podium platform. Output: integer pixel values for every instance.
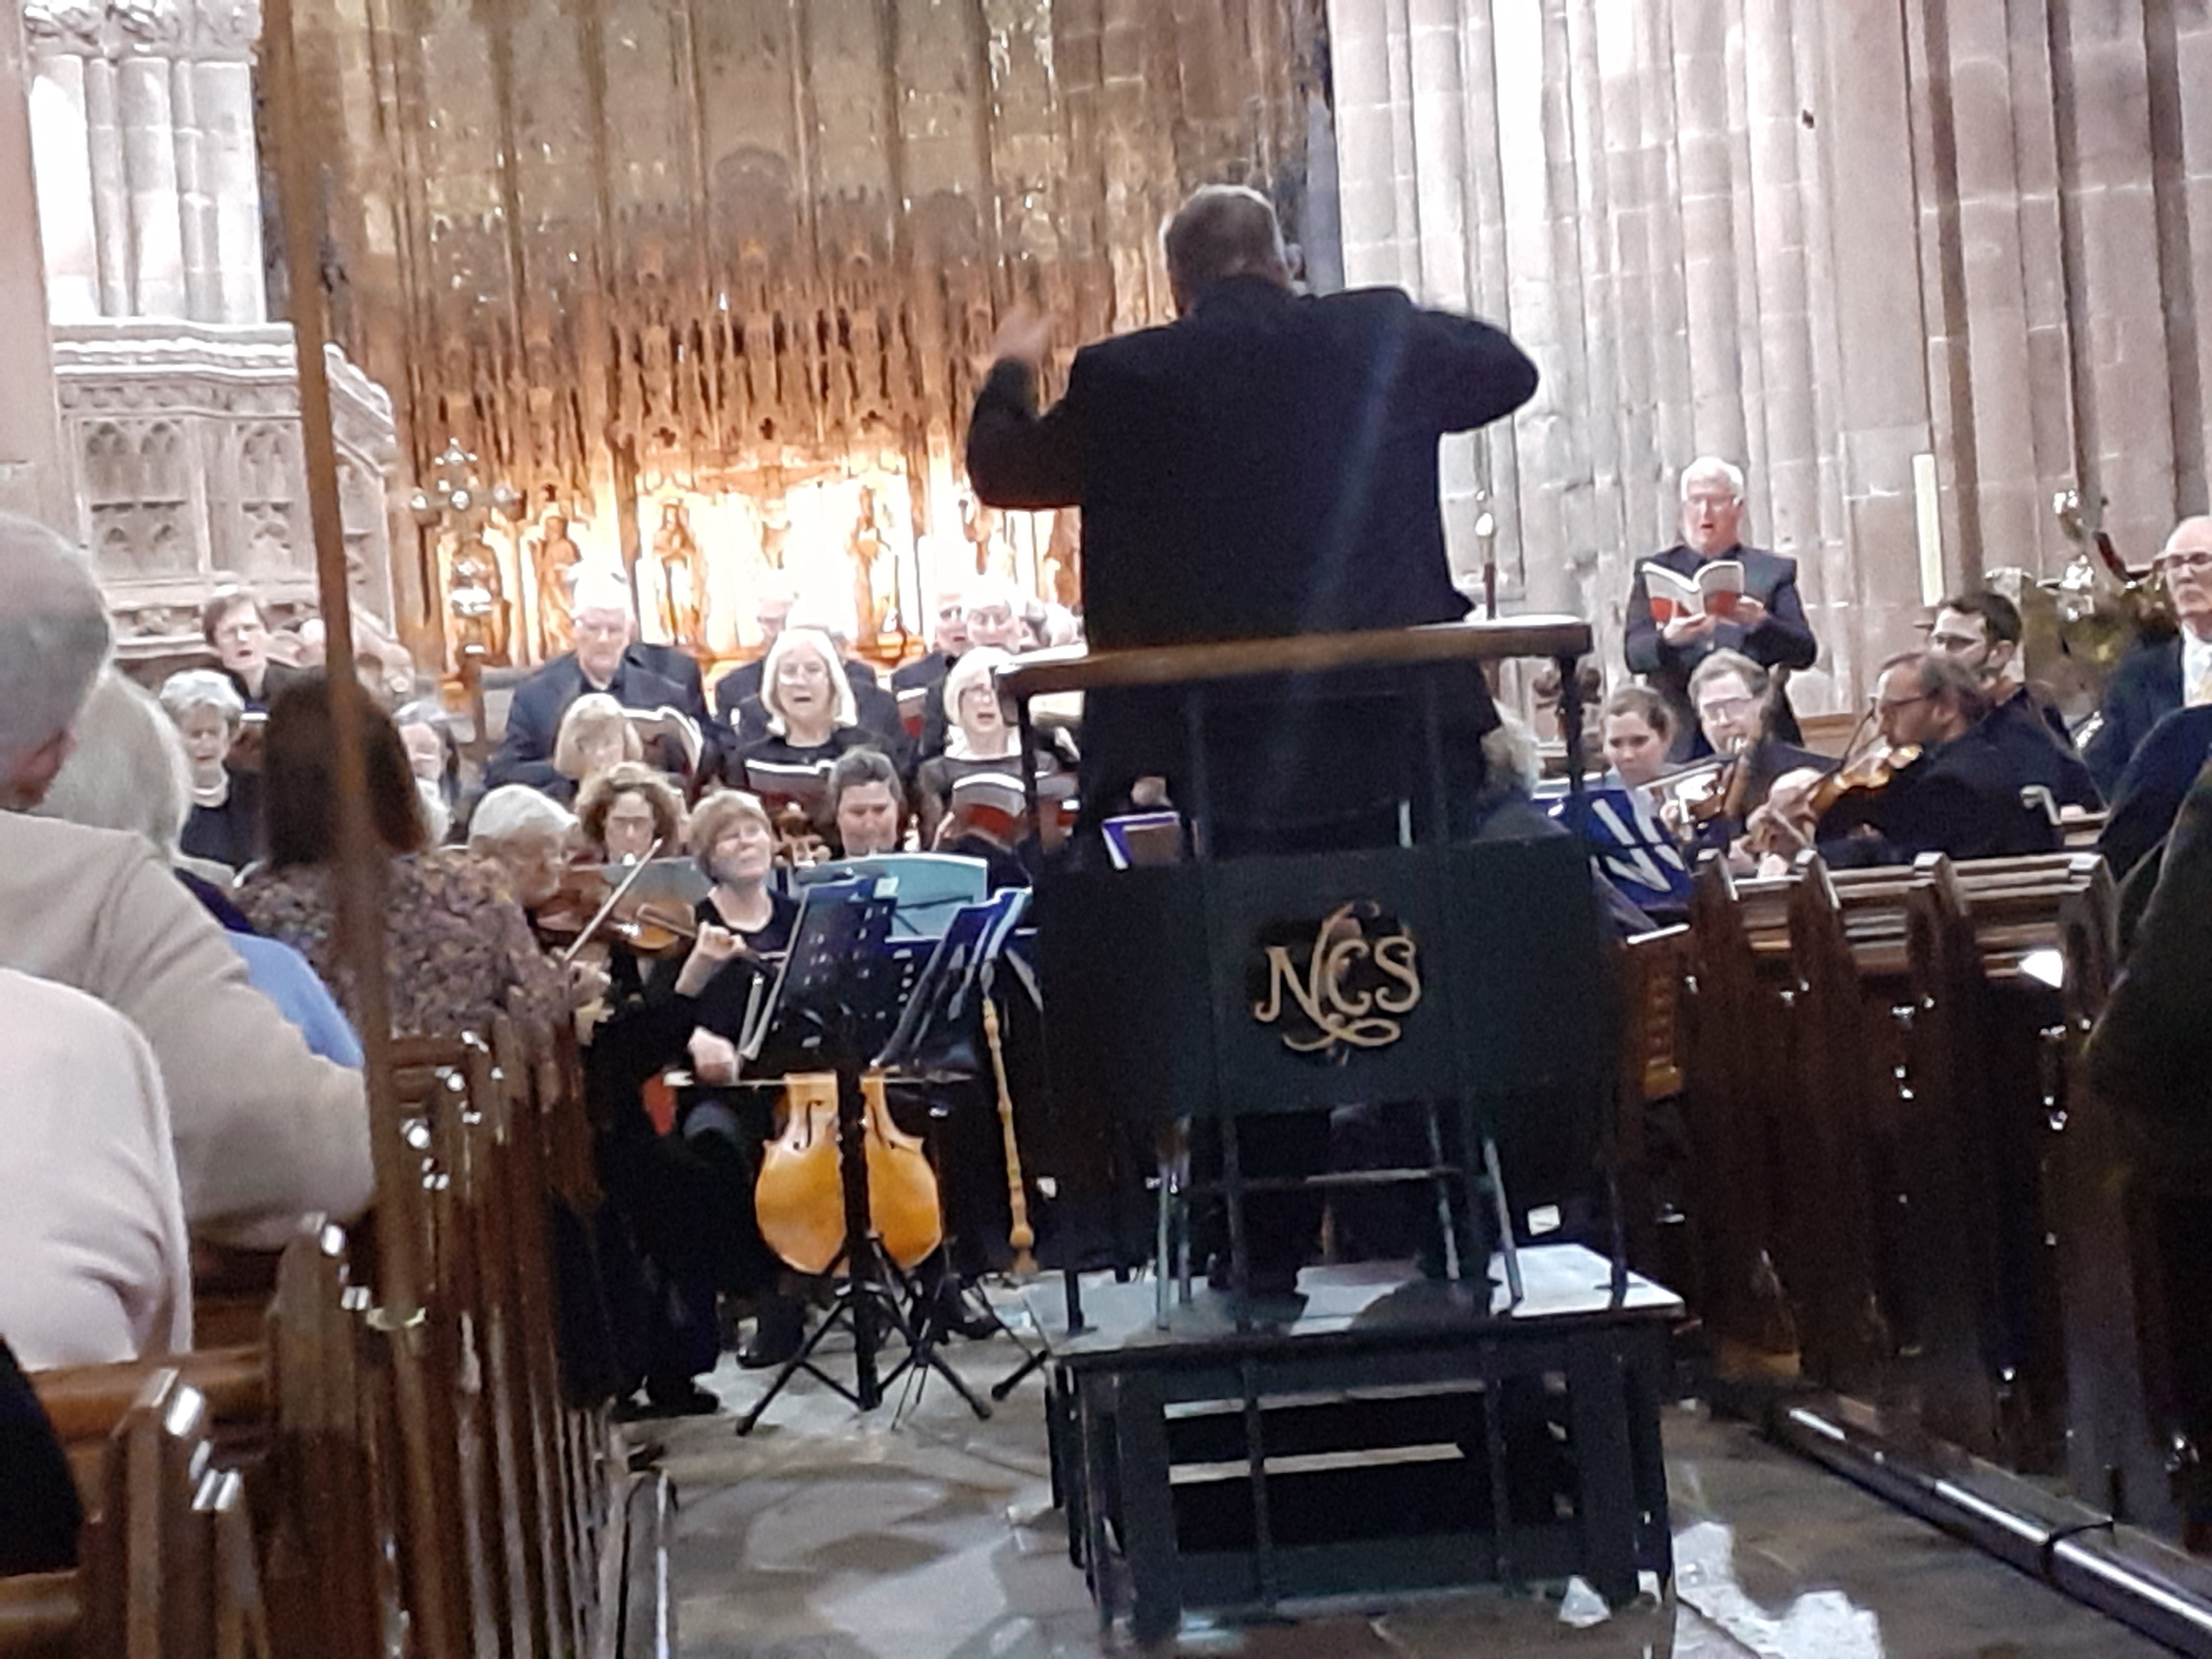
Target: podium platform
(1380, 1434)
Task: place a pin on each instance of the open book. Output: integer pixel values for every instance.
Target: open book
(666, 722)
(1713, 591)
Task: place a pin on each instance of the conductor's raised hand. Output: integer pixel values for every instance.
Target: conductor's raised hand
(1024, 334)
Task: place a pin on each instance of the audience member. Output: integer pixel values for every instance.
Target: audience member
(2160, 675)
(605, 659)
(457, 948)
(433, 754)
(265, 1133)
(1766, 623)
(128, 772)
(628, 811)
(1982, 631)
(93, 1232)
(225, 825)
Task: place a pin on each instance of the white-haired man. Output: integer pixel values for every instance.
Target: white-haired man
(265, 1133)
(607, 658)
(1766, 622)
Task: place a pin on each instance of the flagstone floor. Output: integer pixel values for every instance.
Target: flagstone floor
(924, 1534)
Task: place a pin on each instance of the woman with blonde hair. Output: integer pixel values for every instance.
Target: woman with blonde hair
(595, 733)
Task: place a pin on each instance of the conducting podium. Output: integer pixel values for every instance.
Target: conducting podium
(1455, 969)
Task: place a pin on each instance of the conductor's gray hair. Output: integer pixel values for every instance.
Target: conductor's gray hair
(515, 812)
(1223, 230)
(54, 636)
(128, 770)
(1713, 466)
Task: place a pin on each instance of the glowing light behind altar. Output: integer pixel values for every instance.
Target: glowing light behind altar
(746, 256)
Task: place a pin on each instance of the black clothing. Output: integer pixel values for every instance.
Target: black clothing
(533, 721)
(2150, 792)
(820, 756)
(1784, 640)
(229, 834)
(1264, 466)
(1960, 798)
(2145, 688)
(923, 672)
(276, 678)
(40, 1512)
(1768, 759)
(878, 718)
(743, 681)
(2041, 752)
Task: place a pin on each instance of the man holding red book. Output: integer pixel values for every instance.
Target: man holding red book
(1710, 592)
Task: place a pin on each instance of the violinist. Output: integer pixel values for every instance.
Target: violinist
(626, 809)
(1948, 786)
(1639, 730)
(1982, 630)
(1734, 697)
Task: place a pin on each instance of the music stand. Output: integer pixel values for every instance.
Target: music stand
(821, 1004)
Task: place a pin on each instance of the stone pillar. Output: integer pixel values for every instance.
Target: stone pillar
(32, 478)
(150, 31)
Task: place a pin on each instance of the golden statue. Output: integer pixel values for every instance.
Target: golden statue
(553, 561)
(477, 597)
(866, 548)
(1063, 560)
(679, 584)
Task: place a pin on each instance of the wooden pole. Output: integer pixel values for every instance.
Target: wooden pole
(359, 879)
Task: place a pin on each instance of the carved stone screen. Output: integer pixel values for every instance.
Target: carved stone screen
(722, 270)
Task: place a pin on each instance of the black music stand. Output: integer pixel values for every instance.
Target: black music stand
(827, 999)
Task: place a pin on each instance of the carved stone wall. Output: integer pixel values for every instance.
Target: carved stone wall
(1822, 239)
(186, 443)
(179, 400)
(639, 252)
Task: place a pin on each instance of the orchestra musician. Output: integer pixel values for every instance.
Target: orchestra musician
(1264, 465)
(866, 805)
(627, 810)
(1950, 788)
(1735, 705)
(1982, 630)
(1639, 731)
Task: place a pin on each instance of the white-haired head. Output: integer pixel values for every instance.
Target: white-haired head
(54, 639)
(794, 645)
(603, 624)
(513, 813)
(993, 610)
(128, 770)
(1711, 505)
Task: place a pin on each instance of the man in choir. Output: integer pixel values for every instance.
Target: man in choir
(2159, 676)
(1765, 623)
(266, 1131)
(1982, 631)
(236, 628)
(1265, 466)
(1961, 796)
(606, 658)
(948, 638)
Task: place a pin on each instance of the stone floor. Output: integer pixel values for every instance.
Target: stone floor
(925, 1534)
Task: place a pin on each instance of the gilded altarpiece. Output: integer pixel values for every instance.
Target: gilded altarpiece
(741, 258)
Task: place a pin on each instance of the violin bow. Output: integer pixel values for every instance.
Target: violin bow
(621, 892)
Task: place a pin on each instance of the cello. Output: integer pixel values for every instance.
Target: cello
(798, 1201)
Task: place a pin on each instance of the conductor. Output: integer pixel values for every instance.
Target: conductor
(1263, 466)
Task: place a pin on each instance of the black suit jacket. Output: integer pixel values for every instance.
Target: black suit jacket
(2158, 777)
(1264, 466)
(2146, 686)
(533, 719)
(1784, 640)
(2041, 754)
(1961, 798)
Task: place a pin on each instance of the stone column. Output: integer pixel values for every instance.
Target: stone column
(33, 477)
(222, 91)
(150, 31)
(60, 37)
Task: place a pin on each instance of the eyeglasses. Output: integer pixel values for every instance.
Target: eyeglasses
(2183, 564)
(1726, 708)
(1883, 706)
(1956, 644)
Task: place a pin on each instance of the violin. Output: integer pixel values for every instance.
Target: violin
(588, 906)
(1870, 775)
(798, 1201)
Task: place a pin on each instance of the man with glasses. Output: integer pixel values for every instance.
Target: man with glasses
(605, 659)
(1766, 622)
(1736, 706)
(1981, 632)
(2161, 676)
(1960, 796)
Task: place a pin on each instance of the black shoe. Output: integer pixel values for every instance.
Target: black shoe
(683, 1398)
(779, 1328)
(954, 1314)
